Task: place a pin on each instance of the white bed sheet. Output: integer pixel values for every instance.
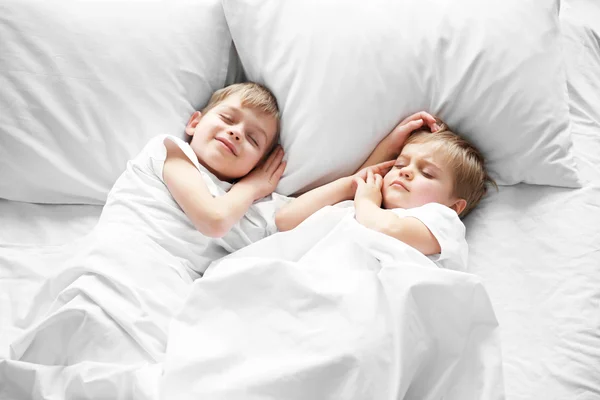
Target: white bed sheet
(27, 224)
(30, 236)
(537, 249)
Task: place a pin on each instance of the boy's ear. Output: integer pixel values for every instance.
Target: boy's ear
(191, 125)
(459, 205)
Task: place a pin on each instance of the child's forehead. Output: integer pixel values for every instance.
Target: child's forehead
(431, 149)
(236, 104)
(233, 101)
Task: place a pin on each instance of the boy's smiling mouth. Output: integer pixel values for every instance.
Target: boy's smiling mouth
(230, 146)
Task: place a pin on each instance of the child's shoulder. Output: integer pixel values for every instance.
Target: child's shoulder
(156, 147)
(434, 214)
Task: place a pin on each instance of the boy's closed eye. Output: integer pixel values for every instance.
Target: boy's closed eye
(253, 140)
(226, 118)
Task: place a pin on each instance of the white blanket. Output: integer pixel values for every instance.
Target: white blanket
(330, 310)
(98, 328)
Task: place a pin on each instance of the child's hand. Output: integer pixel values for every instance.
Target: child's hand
(397, 137)
(263, 179)
(379, 169)
(368, 190)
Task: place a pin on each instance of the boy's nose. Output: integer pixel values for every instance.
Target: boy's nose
(406, 173)
(235, 135)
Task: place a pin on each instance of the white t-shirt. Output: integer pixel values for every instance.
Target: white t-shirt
(141, 202)
(448, 229)
(445, 225)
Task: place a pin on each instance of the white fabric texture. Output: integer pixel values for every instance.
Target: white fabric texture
(333, 310)
(538, 249)
(119, 288)
(85, 84)
(346, 72)
(29, 224)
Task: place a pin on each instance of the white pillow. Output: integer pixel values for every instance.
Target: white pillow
(85, 84)
(345, 72)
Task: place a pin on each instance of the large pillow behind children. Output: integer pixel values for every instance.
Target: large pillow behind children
(345, 72)
(85, 84)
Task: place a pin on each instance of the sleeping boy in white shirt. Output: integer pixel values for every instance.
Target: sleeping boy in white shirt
(207, 197)
(436, 178)
(177, 207)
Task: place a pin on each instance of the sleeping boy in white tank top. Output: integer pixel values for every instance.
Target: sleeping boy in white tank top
(207, 198)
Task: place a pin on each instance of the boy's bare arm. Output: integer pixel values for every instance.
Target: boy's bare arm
(302, 207)
(410, 230)
(367, 203)
(213, 217)
(299, 209)
(389, 148)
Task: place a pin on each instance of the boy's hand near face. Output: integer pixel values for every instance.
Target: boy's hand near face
(368, 190)
(264, 178)
(299, 209)
(397, 137)
(214, 216)
(389, 148)
(367, 200)
(377, 169)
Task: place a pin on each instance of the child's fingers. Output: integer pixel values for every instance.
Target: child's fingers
(429, 120)
(408, 127)
(424, 115)
(378, 181)
(384, 167)
(278, 172)
(277, 160)
(269, 160)
(370, 176)
(387, 164)
(416, 124)
(274, 159)
(356, 182)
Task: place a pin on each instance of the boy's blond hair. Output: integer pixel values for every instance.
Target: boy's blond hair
(471, 179)
(252, 94)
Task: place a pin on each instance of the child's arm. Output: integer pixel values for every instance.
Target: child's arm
(302, 207)
(413, 232)
(297, 210)
(389, 148)
(212, 216)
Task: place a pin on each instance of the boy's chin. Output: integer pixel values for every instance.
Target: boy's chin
(392, 203)
(226, 174)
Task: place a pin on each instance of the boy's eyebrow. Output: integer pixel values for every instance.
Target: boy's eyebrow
(429, 163)
(237, 111)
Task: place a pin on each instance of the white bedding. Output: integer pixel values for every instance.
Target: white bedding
(333, 310)
(24, 224)
(536, 249)
(330, 310)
